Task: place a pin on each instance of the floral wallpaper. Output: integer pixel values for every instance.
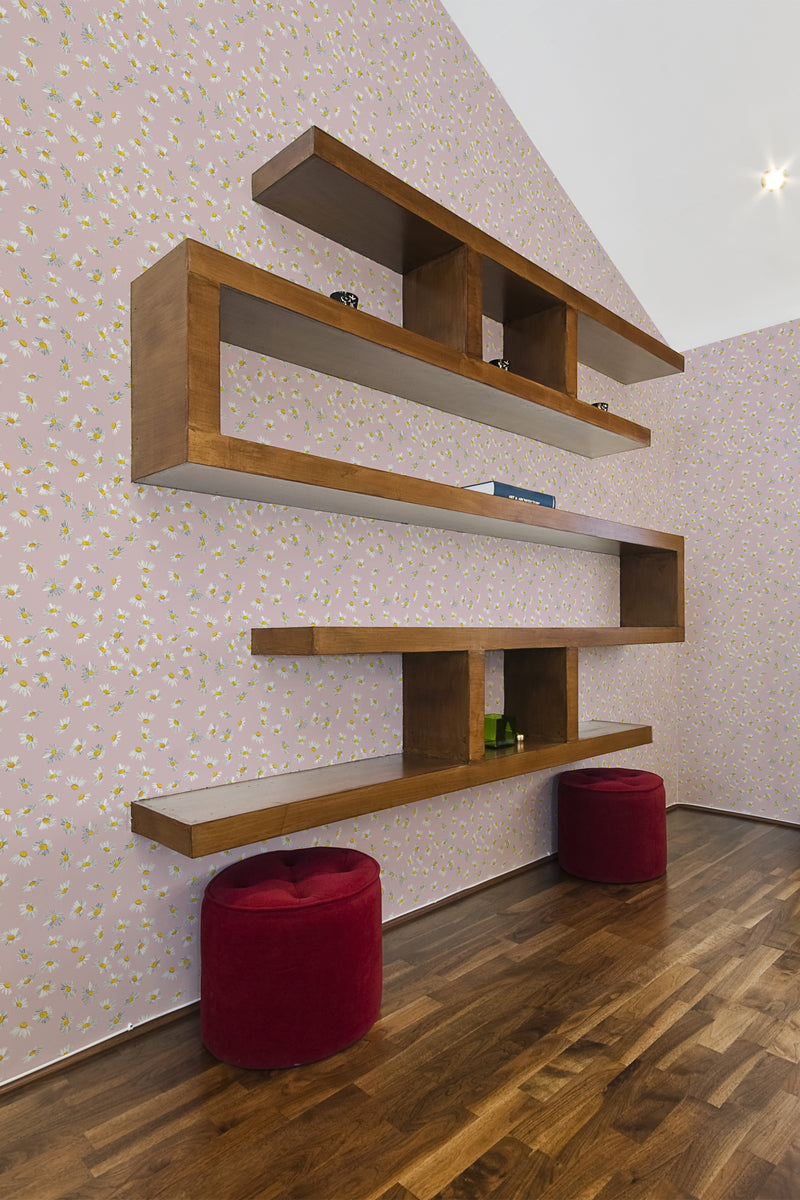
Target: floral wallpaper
(737, 467)
(124, 610)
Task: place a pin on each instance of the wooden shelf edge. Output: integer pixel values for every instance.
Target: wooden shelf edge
(304, 640)
(206, 821)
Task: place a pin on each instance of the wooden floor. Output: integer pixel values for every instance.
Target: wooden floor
(545, 1037)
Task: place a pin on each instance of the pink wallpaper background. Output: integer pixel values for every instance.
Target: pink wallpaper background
(125, 611)
(737, 468)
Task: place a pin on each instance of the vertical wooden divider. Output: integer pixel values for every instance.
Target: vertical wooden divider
(159, 365)
(442, 299)
(650, 586)
(204, 354)
(541, 692)
(544, 346)
(175, 383)
(443, 703)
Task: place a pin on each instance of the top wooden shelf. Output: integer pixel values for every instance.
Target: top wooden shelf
(321, 183)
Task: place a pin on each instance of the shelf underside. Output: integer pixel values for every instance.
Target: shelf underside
(209, 820)
(369, 351)
(226, 466)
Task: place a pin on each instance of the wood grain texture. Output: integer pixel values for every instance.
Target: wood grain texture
(651, 586)
(546, 1038)
(542, 346)
(442, 300)
(236, 814)
(160, 365)
(541, 691)
(301, 640)
(332, 189)
(365, 209)
(443, 701)
(204, 319)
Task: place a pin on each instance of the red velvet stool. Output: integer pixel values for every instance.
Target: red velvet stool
(612, 824)
(291, 956)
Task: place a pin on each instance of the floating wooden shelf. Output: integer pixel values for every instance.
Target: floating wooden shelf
(195, 297)
(222, 818)
(443, 750)
(303, 640)
(325, 185)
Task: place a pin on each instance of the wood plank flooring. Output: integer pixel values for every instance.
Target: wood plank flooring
(545, 1037)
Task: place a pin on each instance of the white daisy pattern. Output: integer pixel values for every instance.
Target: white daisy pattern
(125, 669)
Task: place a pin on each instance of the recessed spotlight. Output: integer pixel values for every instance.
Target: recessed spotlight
(773, 179)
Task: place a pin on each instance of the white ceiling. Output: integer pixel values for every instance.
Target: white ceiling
(658, 119)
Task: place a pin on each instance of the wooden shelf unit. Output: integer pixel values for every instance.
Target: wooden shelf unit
(444, 678)
(300, 641)
(443, 750)
(454, 273)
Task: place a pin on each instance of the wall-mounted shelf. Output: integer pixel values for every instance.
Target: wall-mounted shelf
(299, 641)
(452, 271)
(443, 750)
(222, 818)
(195, 297)
(453, 276)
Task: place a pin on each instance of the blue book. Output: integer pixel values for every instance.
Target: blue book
(495, 488)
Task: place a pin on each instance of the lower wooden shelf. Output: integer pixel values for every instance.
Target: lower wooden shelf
(208, 820)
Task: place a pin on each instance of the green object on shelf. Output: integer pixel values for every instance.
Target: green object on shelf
(499, 730)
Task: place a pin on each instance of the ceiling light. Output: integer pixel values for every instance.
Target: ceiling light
(773, 179)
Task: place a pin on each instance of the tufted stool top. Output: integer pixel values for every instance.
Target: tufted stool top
(612, 779)
(293, 879)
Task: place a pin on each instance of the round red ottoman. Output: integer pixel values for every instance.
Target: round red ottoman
(612, 824)
(291, 956)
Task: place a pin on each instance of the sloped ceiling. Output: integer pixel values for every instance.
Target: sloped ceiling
(659, 120)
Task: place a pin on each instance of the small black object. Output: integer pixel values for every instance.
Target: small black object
(503, 363)
(348, 298)
(601, 405)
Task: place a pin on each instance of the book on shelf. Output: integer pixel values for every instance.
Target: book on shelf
(495, 488)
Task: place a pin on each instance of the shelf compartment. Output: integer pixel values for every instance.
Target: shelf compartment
(195, 297)
(321, 183)
(539, 332)
(541, 691)
(208, 820)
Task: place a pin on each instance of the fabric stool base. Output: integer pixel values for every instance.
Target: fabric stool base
(291, 956)
(612, 824)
